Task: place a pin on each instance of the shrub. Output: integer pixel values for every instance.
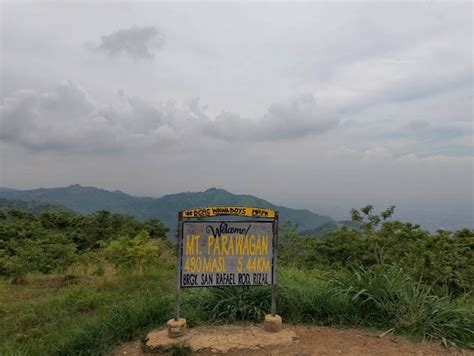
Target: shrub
(46, 253)
(127, 253)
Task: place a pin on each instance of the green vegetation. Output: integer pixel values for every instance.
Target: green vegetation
(90, 199)
(386, 296)
(55, 241)
(442, 260)
(78, 284)
(55, 315)
(383, 297)
(33, 206)
(180, 350)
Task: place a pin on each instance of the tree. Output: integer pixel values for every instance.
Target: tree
(368, 221)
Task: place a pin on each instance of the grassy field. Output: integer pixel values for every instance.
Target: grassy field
(58, 314)
(87, 314)
(79, 284)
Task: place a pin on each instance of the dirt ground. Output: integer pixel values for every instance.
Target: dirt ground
(294, 341)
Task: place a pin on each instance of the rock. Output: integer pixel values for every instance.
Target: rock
(176, 327)
(272, 323)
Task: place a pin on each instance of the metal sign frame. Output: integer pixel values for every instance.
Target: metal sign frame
(257, 215)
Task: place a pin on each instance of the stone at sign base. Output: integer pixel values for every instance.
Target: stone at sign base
(272, 323)
(176, 328)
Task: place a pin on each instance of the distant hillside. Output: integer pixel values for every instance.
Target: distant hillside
(330, 226)
(34, 207)
(91, 199)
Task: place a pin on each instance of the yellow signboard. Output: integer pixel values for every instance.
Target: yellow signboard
(229, 210)
(227, 253)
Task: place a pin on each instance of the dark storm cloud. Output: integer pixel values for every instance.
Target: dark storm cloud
(136, 42)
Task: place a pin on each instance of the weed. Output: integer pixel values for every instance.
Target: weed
(180, 349)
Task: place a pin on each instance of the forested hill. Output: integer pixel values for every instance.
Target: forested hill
(330, 226)
(91, 199)
(34, 207)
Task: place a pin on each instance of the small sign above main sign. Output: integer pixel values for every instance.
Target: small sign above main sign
(229, 210)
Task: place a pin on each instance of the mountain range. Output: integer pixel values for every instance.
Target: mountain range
(91, 199)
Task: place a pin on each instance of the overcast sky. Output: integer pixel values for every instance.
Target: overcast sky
(313, 105)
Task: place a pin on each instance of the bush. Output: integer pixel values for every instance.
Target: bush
(441, 260)
(127, 253)
(53, 240)
(45, 253)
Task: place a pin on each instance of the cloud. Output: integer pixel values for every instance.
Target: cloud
(136, 42)
(397, 97)
(68, 119)
(417, 125)
(287, 120)
(403, 76)
(64, 119)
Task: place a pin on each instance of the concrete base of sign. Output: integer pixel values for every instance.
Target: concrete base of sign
(176, 328)
(272, 323)
(222, 339)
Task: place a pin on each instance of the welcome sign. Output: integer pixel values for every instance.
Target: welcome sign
(227, 253)
(213, 251)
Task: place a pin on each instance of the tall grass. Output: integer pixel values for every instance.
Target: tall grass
(237, 303)
(89, 318)
(95, 335)
(45, 317)
(385, 296)
(307, 297)
(382, 297)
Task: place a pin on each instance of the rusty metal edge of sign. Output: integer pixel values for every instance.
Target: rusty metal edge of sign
(245, 211)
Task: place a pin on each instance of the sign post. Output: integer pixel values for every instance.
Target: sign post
(178, 268)
(237, 251)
